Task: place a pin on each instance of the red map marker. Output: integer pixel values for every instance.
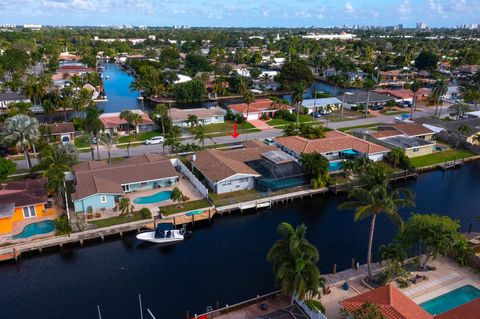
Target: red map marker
(235, 134)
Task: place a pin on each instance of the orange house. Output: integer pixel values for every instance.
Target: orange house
(22, 203)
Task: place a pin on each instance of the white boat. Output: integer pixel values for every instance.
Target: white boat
(164, 234)
(107, 77)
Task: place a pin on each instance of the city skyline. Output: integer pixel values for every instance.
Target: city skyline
(245, 13)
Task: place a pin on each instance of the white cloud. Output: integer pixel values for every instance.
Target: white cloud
(349, 7)
(404, 8)
(435, 6)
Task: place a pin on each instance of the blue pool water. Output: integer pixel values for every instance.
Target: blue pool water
(39, 228)
(155, 198)
(335, 166)
(451, 300)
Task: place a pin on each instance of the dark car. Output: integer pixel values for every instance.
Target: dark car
(377, 107)
(3, 150)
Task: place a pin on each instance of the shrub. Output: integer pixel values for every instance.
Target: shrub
(146, 213)
(7, 167)
(264, 117)
(239, 119)
(62, 225)
(230, 116)
(285, 115)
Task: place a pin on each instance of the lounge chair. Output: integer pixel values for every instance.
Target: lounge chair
(417, 279)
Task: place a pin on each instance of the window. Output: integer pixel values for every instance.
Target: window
(416, 150)
(103, 199)
(29, 212)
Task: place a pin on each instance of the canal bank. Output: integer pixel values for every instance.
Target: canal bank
(217, 262)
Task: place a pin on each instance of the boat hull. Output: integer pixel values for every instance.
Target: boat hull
(150, 237)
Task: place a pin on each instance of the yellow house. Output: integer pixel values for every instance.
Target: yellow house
(22, 203)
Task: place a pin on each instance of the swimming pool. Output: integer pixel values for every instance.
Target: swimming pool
(335, 166)
(194, 212)
(451, 300)
(155, 198)
(39, 228)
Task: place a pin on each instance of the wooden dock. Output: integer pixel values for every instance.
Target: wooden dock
(451, 164)
(336, 279)
(14, 251)
(184, 218)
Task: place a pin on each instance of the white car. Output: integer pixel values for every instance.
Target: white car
(155, 140)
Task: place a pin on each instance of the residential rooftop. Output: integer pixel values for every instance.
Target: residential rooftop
(406, 142)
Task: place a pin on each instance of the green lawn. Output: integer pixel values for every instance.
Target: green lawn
(131, 145)
(226, 127)
(371, 126)
(185, 207)
(234, 197)
(82, 141)
(122, 219)
(302, 119)
(140, 137)
(440, 157)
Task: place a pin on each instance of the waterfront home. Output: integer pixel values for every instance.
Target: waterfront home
(334, 146)
(392, 302)
(99, 185)
(315, 105)
(406, 95)
(257, 165)
(22, 203)
(353, 101)
(351, 75)
(113, 124)
(415, 130)
(62, 132)
(7, 98)
(258, 108)
(452, 129)
(393, 77)
(204, 116)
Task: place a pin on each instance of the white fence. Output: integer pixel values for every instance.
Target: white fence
(312, 314)
(192, 178)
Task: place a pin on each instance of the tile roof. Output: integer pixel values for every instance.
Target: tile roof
(23, 193)
(400, 93)
(409, 129)
(385, 133)
(99, 177)
(111, 120)
(61, 128)
(217, 165)
(12, 96)
(332, 142)
(470, 310)
(393, 303)
(258, 106)
(361, 97)
(178, 115)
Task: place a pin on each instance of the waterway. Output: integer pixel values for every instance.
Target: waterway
(117, 89)
(223, 261)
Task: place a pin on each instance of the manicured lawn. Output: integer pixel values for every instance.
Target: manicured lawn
(226, 127)
(302, 119)
(82, 141)
(131, 145)
(234, 197)
(440, 157)
(122, 219)
(185, 207)
(349, 128)
(140, 137)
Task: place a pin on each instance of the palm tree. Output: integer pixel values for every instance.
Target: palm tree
(161, 111)
(93, 125)
(294, 261)
(459, 109)
(124, 206)
(108, 142)
(176, 195)
(395, 155)
(200, 135)
(368, 84)
(464, 131)
(415, 86)
(173, 135)
(440, 88)
(192, 120)
(297, 99)
(373, 200)
(136, 121)
(127, 116)
(249, 98)
(23, 131)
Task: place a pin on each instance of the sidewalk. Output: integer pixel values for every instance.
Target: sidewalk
(261, 125)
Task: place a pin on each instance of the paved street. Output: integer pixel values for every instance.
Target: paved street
(119, 152)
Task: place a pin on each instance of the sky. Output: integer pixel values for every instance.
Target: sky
(240, 13)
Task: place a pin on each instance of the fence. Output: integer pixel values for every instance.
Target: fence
(194, 180)
(312, 314)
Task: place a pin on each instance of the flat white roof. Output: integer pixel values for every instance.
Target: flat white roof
(321, 102)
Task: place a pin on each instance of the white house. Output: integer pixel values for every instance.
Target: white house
(204, 116)
(11, 97)
(313, 105)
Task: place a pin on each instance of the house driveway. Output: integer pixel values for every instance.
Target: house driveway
(261, 125)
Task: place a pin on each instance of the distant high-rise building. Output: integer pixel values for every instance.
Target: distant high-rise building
(32, 26)
(421, 25)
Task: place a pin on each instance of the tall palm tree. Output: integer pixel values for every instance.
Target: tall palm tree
(459, 109)
(368, 84)
(294, 261)
(161, 111)
(248, 98)
(415, 86)
(372, 200)
(23, 131)
(93, 125)
(124, 206)
(200, 135)
(108, 142)
(440, 88)
(297, 99)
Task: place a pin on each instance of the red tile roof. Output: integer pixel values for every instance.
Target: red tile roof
(23, 193)
(409, 129)
(262, 105)
(470, 310)
(400, 93)
(111, 120)
(333, 141)
(393, 304)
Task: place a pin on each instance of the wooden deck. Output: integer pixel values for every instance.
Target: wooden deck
(451, 164)
(350, 274)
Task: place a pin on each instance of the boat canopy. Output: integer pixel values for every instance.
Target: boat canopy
(162, 229)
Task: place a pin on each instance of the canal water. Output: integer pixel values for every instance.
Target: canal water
(223, 261)
(117, 89)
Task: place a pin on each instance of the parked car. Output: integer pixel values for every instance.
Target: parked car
(316, 115)
(155, 140)
(66, 140)
(268, 141)
(377, 107)
(325, 111)
(94, 140)
(404, 104)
